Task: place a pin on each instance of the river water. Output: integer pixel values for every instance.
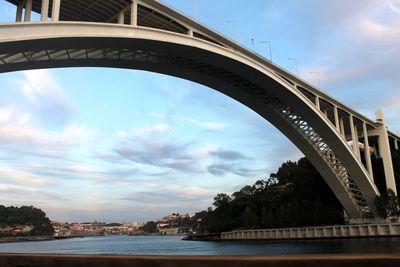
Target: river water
(173, 245)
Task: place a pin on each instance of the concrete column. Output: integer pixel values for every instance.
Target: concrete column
(354, 136)
(326, 113)
(28, 10)
(366, 152)
(341, 122)
(18, 16)
(190, 33)
(44, 13)
(336, 114)
(317, 103)
(121, 18)
(55, 14)
(357, 143)
(134, 12)
(384, 151)
(396, 145)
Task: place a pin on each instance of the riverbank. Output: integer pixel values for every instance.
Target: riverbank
(208, 237)
(25, 239)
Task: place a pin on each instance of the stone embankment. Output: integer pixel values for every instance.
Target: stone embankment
(321, 232)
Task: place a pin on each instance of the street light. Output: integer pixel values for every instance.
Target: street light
(194, 8)
(270, 48)
(297, 65)
(318, 77)
(237, 28)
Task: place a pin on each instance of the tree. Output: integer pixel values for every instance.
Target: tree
(221, 200)
(388, 206)
(150, 227)
(250, 218)
(296, 195)
(267, 218)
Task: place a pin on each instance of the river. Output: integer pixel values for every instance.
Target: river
(173, 245)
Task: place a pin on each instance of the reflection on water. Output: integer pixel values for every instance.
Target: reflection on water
(172, 245)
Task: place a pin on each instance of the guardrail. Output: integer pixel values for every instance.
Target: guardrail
(320, 232)
(45, 260)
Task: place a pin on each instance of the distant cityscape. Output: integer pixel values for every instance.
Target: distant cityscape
(173, 224)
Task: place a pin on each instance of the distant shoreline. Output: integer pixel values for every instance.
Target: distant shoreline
(25, 239)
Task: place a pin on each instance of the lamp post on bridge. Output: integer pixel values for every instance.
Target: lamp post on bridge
(195, 9)
(318, 77)
(237, 28)
(270, 48)
(296, 64)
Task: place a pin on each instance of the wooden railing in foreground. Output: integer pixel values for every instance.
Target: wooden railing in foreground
(45, 260)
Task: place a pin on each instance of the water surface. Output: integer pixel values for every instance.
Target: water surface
(173, 245)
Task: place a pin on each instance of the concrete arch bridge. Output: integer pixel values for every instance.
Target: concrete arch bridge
(147, 35)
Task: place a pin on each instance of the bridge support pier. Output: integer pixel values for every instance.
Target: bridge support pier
(44, 12)
(336, 114)
(384, 150)
(354, 136)
(134, 13)
(121, 17)
(55, 14)
(367, 153)
(317, 103)
(28, 10)
(342, 131)
(18, 16)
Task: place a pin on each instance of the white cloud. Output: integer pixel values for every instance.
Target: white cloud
(13, 114)
(394, 5)
(46, 95)
(145, 131)
(17, 130)
(208, 125)
(16, 176)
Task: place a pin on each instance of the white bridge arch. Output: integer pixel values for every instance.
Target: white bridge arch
(149, 36)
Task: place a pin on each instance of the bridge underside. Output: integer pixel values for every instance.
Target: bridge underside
(268, 94)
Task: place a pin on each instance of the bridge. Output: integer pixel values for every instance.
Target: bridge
(147, 35)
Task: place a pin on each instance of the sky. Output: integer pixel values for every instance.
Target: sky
(109, 145)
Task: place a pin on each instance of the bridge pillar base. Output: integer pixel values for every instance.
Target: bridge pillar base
(384, 151)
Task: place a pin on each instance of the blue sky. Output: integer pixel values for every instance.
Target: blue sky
(124, 145)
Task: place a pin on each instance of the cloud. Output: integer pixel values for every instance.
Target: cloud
(18, 133)
(224, 169)
(147, 146)
(30, 194)
(172, 195)
(159, 154)
(208, 125)
(46, 96)
(363, 56)
(394, 5)
(21, 177)
(228, 155)
(151, 130)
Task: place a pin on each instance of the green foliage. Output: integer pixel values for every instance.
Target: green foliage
(387, 205)
(396, 165)
(294, 196)
(14, 216)
(44, 229)
(221, 200)
(250, 218)
(150, 227)
(267, 218)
